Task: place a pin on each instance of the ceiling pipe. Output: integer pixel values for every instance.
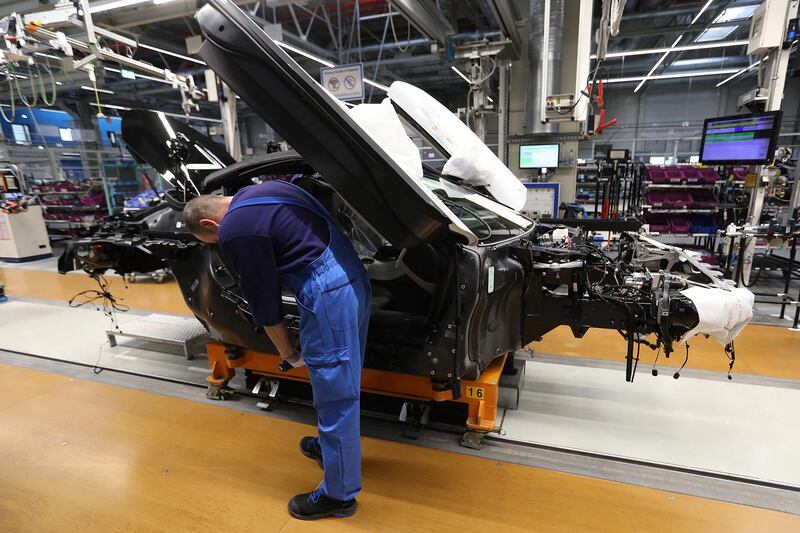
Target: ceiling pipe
(423, 41)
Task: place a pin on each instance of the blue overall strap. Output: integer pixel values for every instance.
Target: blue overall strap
(325, 214)
(277, 200)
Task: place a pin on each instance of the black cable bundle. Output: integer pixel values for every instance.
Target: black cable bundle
(730, 352)
(109, 303)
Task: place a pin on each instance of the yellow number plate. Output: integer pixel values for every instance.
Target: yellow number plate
(475, 392)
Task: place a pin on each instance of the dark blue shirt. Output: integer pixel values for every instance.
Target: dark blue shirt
(263, 241)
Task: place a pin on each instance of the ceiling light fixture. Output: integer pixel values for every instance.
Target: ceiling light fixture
(705, 7)
(674, 44)
(305, 54)
(740, 72)
(377, 85)
(684, 48)
(676, 75)
(173, 54)
(108, 6)
(463, 76)
(92, 89)
(176, 115)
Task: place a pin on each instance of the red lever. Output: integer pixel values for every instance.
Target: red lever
(599, 102)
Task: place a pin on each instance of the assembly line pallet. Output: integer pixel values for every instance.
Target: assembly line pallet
(495, 389)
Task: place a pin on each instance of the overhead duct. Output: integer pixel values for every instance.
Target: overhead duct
(424, 16)
(506, 17)
(543, 61)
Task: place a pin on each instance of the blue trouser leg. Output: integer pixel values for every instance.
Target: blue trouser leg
(340, 320)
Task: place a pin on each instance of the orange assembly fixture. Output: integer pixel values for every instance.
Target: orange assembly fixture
(480, 395)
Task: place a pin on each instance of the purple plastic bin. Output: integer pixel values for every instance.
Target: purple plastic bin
(658, 223)
(656, 198)
(657, 175)
(678, 198)
(674, 174)
(692, 175)
(680, 225)
(708, 175)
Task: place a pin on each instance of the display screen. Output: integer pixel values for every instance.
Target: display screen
(743, 139)
(538, 156)
(618, 155)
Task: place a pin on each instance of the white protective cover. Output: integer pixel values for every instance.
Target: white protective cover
(722, 313)
(380, 121)
(470, 159)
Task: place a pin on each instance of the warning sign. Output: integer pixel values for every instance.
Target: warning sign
(345, 82)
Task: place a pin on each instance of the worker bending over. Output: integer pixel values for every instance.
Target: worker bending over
(276, 234)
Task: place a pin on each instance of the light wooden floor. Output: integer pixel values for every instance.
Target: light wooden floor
(80, 456)
(771, 351)
(761, 350)
(160, 297)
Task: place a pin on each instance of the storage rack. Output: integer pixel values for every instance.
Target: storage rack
(689, 201)
(586, 186)
(607, 189)
(70, 208)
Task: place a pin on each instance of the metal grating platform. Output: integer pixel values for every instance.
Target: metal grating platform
(171, 330)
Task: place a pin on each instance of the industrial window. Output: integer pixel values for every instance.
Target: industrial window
(715, 34)
(735, 13)
(21, 133)
(66, 134)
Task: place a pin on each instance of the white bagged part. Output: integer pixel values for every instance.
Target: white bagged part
(722, 313)
(467, 163)
(470, 159)
(381, 122)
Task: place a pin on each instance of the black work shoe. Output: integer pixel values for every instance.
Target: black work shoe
(315, 505)
(309, 446)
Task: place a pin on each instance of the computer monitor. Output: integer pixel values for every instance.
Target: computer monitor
(740, 139)
(538, 155)
(601, 151)
(619, 154)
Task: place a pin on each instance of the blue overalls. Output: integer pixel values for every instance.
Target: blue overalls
(333, 296)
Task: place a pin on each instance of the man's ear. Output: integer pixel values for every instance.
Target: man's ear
(208, 223)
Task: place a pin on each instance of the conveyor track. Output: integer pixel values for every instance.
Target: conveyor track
(451, 429)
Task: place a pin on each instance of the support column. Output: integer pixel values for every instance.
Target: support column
(230, 124)
(502, 115)
(777, 67)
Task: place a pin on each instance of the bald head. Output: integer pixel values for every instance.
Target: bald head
(203, 215)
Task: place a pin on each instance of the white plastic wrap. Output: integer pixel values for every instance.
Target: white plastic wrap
(470, 159)
(381, 123)
(471, 163)
(384, 126)
(722, 313)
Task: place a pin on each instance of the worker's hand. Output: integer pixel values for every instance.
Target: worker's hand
(295, 359)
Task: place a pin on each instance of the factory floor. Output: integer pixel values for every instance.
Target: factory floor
(780, 361)
(115, 452)
(86, 456)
